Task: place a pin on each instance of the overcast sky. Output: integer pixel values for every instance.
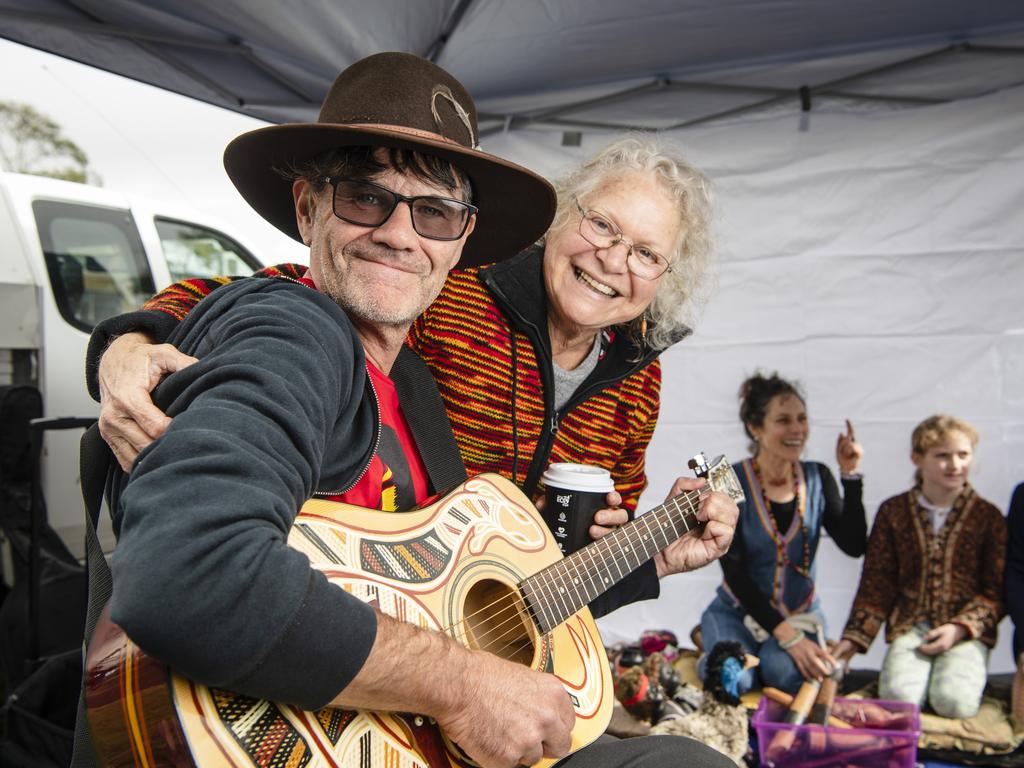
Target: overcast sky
(142, 140)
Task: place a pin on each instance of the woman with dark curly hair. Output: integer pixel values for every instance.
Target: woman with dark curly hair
(767, 601)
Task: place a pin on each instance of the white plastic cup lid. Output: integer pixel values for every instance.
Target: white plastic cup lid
(578, 477)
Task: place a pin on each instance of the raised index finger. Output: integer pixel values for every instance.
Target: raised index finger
(849, 430)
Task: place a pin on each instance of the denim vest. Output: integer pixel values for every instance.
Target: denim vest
(790, 592)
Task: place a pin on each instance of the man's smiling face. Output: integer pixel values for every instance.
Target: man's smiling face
(384, 275)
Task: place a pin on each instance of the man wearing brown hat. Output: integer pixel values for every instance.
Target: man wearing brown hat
(291, 398)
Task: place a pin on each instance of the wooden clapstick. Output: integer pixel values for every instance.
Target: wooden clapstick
(786, 700)
(798, 708)
(801, 705)
(826, 696)
(818, 739)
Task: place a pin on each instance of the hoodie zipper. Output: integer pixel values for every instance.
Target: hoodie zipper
(376, 445)
(546, 439)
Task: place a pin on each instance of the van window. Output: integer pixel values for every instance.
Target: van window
(95, 260)
(194, 251)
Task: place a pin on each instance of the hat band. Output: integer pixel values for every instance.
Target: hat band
(417, 132)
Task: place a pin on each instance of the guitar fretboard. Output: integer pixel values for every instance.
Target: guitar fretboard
(557, 592)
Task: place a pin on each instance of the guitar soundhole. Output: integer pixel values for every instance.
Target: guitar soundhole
(496, 621)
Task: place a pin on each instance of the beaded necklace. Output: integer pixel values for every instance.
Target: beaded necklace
(776, 534)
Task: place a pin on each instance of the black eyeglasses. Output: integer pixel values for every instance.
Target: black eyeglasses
(370, 205)
(601, 233)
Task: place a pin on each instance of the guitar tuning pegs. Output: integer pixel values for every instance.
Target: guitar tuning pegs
(699, 464)
(720, 476)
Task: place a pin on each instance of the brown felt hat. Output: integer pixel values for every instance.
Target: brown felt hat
(398, 100)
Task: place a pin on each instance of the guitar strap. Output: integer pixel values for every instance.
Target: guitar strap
(95, 460)
(424, 411)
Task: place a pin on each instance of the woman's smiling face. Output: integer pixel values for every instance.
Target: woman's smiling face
(590, 288)
(784, 432)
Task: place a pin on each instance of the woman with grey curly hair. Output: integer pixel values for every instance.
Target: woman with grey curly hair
(685, 279)
(552, 356)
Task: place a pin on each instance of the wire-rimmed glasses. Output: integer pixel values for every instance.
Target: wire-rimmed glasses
(601, 233)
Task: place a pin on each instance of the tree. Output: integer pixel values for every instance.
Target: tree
(30, 142)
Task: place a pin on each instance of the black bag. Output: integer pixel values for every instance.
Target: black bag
(40, 660)
(60, 609)
(39, 715)
(62, 593)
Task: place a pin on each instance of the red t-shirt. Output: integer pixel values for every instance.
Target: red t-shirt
(396, 479)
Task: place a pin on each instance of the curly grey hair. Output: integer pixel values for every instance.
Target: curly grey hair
(685, 289)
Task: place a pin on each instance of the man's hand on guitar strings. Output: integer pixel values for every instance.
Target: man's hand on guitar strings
(511, 716)
(719, 514)
(500, 713)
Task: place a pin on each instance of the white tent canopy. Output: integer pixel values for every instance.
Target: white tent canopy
(871, 242)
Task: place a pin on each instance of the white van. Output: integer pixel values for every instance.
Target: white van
(72, 255)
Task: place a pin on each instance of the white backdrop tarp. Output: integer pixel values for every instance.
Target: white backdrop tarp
(877, 259)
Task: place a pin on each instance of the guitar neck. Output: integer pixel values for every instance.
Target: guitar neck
(557, 592)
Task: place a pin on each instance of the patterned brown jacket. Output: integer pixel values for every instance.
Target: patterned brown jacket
(911, 574)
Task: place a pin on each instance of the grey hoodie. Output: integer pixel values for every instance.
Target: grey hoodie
(276, 408)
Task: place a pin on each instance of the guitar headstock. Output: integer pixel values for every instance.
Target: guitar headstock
(719, 475)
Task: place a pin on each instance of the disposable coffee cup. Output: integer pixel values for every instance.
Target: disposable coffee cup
(574, 493)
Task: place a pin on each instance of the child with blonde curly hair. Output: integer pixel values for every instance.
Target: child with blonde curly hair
(933, 575)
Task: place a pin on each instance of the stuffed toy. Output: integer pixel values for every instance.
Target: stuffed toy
(661, 641)
(721, 720)
(642, 697)
(659, 669)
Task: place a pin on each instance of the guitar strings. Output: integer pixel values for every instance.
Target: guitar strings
(526, 642)
(562, 565)
(692, 503)
(687, 496)
(514, 602)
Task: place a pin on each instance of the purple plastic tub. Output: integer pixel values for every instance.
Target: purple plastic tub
(884, 736)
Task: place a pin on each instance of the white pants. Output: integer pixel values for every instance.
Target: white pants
(952, 682)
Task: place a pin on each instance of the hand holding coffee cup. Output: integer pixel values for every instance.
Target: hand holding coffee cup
(574, 493)
(612, 517)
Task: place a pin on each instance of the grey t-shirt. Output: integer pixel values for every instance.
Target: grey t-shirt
(567, 382)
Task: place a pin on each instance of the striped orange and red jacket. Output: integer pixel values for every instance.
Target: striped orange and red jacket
(489, 326)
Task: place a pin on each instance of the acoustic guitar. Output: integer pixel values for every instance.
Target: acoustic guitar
(479, 565)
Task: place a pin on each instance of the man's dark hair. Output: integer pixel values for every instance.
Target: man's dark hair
(364, 164)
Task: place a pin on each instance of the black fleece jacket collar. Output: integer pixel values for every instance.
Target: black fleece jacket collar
(517, 285)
